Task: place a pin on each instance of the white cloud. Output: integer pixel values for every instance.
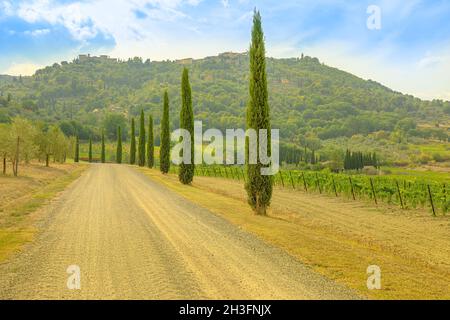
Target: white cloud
(24, 69)
(85, 20)
(430, 60)
(6, 8)
(70, 16)
(37, 32)
(155, 36)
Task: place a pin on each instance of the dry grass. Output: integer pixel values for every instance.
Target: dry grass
(339, 238)
(20, 197)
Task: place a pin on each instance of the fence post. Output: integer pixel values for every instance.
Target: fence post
(334, 186)
(318, 183)
(351, 185)
(399, 194)
(373, 191)
(304, 182)
(292, 180)
(431, 200)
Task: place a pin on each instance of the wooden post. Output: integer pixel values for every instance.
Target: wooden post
(292, 180)
(373, 191)
(431, 200)
(334, 186)
(444, 192)
(351, 185)
(399, 194)
(304, 182)
(318, 183)
(16, 163)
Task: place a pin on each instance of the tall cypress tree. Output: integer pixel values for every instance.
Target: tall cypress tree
(77, 150)
(90, 149)
(119, 145)
(374, 160)
(141, 150)
(186, 173)
(313, 157)
(103, 148)
(150, 144)
(133, 143)
(259, 188)
(164, 151)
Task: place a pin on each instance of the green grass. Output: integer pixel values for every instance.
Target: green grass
(16, 228)
(430, 148)
(110, 153)
(402, 173)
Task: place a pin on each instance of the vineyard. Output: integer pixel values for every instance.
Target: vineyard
(407, 193)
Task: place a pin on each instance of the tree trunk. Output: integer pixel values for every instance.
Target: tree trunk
(47, 160)
(4, 165)
(16, 161)
(260, 208)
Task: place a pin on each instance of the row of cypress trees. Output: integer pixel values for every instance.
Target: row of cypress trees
(359, 160)
(90, 154)
(145, 148)
(146, 145)
(259, 187)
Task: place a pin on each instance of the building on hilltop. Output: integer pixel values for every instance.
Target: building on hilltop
(88, 57)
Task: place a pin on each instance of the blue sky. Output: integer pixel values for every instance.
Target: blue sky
(410, 53)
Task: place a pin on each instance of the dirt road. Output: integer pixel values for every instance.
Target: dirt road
(134, 239)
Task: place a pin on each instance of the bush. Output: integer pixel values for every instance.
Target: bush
(424, 158)
(439, 157)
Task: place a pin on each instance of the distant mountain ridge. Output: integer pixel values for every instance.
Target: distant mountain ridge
(306, 96)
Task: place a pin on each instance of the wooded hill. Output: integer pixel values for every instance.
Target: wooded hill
(306, 97)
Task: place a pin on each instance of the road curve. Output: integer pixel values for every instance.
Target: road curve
(134, 239)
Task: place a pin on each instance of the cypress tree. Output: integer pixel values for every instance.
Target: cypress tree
(361, 161)
(259, 188)
(119, 145)
(374, 160)
(90, 149)
(186, 173)
(133, 143)
(103, 148)
(313, 157)
(141, 150)
(164, 151)
(77, 150)
(150, 144)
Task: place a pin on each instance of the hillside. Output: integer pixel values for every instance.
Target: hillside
(306, 96)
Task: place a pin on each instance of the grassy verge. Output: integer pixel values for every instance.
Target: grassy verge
(339, 239)
(23, 196)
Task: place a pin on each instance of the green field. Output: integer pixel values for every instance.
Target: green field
(423, 192)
